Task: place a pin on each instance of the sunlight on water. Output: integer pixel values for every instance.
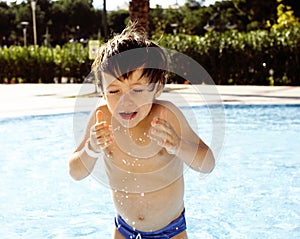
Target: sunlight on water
(252, 193)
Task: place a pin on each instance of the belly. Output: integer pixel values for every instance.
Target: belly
(151, 211)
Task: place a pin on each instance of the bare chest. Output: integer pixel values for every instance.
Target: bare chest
(130, 173)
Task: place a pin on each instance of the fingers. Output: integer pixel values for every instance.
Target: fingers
(100, 133)
(101, 138)
(163, 137)
(162, 130)
(163, 133)
(164, 114)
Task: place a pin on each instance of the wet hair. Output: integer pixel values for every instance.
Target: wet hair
(128, 51)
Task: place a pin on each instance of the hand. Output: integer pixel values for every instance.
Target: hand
(164, 134)
(100, 133)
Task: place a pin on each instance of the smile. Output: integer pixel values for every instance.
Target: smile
(128, 115)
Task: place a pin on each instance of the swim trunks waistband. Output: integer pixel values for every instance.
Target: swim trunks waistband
(174, 228)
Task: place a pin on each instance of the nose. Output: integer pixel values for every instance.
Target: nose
(126, 99)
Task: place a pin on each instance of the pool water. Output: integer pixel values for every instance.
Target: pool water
(254, 191)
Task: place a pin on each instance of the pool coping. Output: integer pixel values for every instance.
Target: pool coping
(40, 99)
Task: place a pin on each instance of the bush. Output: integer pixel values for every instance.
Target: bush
(258, 57)
(42, 64)
(243, 58)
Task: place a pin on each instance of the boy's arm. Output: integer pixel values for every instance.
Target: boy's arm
(197, 155)
(97, 136)
(80, 163)
(180, 139)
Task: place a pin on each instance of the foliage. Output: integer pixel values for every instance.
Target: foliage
(66, 20)
(258, 57)
(237, 41)
(234, 57)
(285, 16)
(255, 13)
(42, 64)
(117, 20)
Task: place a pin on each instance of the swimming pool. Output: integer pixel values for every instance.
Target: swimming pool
(254, 191)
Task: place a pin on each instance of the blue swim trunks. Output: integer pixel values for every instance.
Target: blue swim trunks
(175, 227)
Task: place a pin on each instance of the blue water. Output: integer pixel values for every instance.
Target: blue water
(254, 191)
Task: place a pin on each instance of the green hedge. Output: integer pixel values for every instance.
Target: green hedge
(258, 57)
(41, 64)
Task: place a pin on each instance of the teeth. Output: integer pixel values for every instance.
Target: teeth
(128, 113)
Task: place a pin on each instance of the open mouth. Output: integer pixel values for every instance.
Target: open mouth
(128, 115)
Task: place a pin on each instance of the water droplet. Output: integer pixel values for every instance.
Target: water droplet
(142, 194)
(117, 128)
(126, 196)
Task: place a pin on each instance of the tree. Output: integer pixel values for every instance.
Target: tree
(73, 20)
(255, 13)
(192, 4)
(194, 22)
(6, 23)
(294, 4)
(139, 11)
(117, 20)
(285, 16)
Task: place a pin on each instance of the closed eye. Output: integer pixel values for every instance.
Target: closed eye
(138, 90)
(112, 92)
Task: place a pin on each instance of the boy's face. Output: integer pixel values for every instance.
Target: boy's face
(129, 100)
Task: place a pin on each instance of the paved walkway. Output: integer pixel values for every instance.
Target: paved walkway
(39, 99)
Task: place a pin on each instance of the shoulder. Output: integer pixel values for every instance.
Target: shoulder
(176, 118)
(164, 105)
(171, 113)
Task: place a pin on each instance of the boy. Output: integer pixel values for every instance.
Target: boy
(144, 141)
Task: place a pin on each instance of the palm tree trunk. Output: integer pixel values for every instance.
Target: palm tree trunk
(139, 11)
(104, 21)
